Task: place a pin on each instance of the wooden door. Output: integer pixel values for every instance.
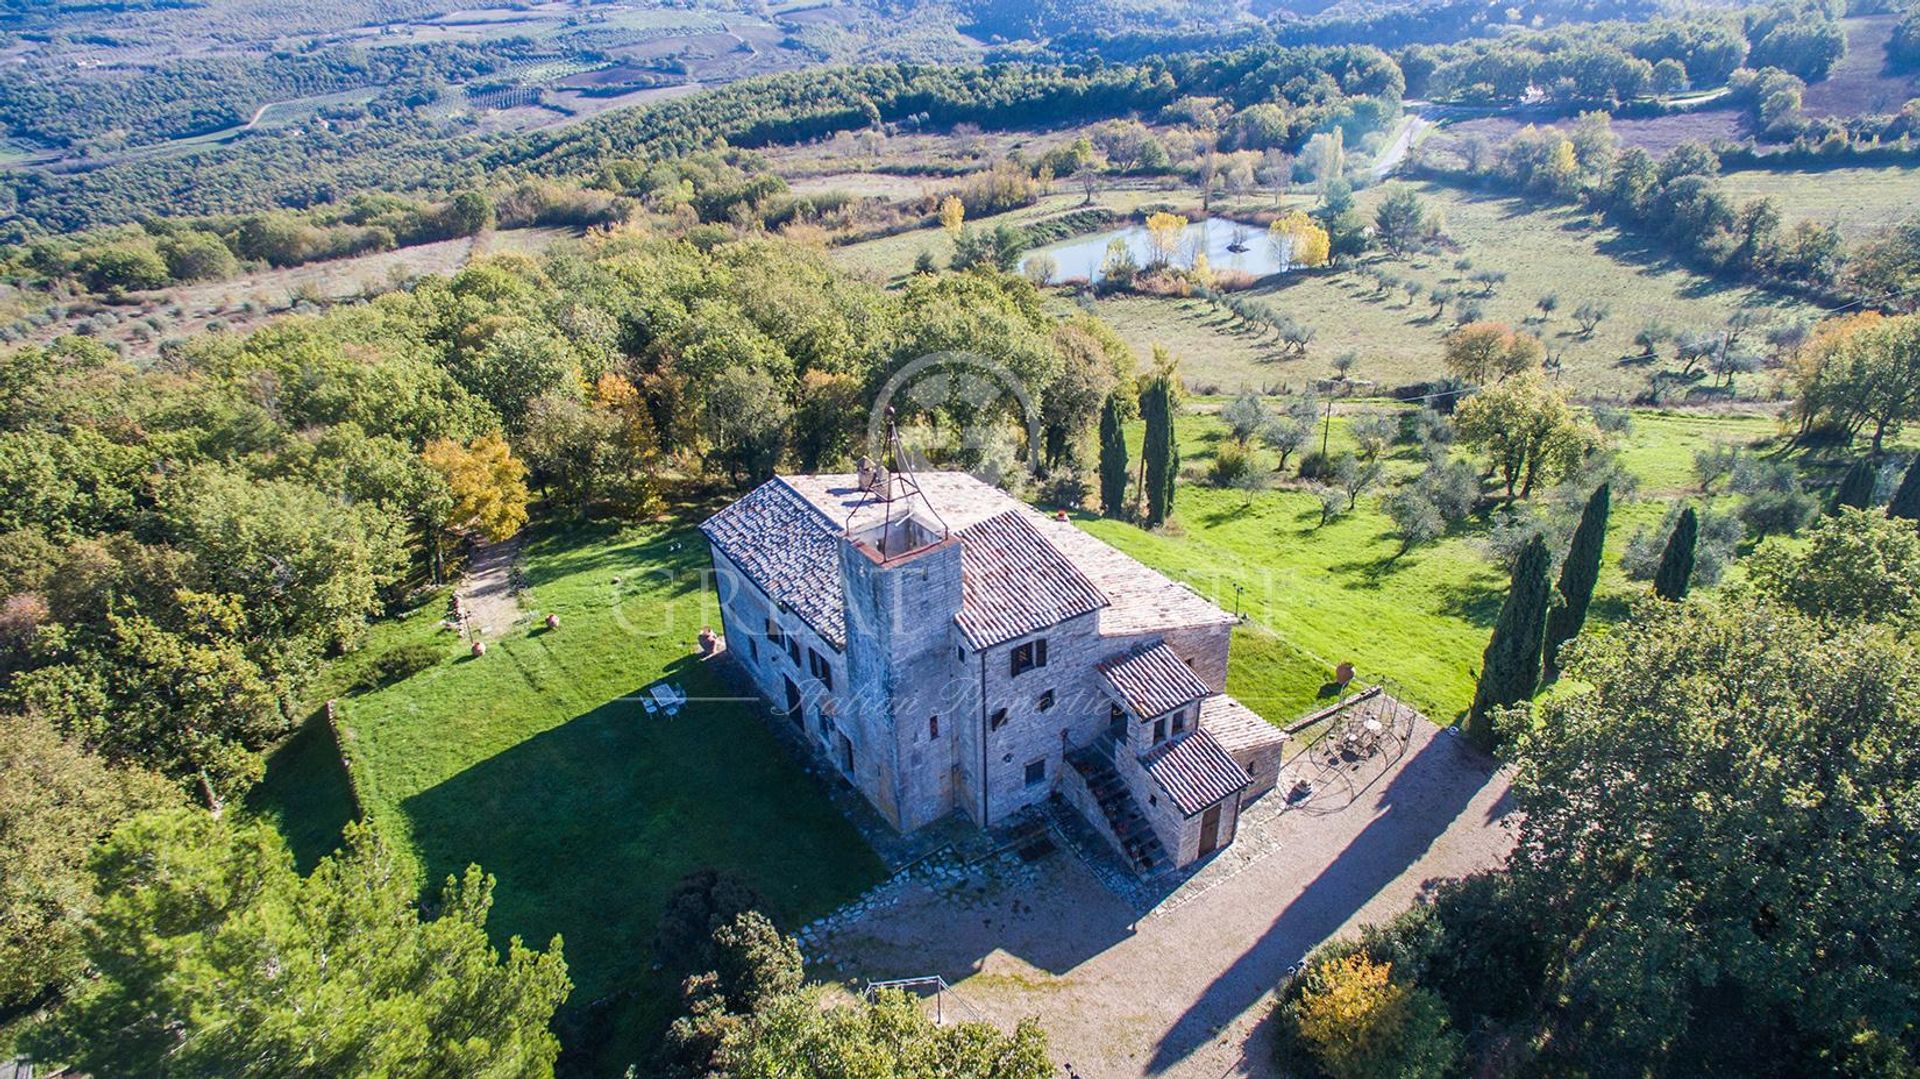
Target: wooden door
(1210, 831)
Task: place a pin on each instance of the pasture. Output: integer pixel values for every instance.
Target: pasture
(1862, 200)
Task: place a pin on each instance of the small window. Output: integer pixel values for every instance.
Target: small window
(933, 726)
(821, 669)
(1036, 772)
(960, 653)
(793, 649)
(826, 728)
(999, 719)
(1029, 655)
(1159, 730)
(776, 634)
(1180, 721)
(1045, 703)
(753, 650)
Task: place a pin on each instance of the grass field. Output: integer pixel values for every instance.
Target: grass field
(1397, 342)
(1541, 248)
(1860, 200)
(538, 763)
(1316, 596)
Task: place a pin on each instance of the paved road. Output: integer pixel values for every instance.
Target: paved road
(1396, 151)
(1186, 990)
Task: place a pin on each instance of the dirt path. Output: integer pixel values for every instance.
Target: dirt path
(486, 592)
(1186, 988)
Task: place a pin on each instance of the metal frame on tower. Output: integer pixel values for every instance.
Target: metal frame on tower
(889, 482)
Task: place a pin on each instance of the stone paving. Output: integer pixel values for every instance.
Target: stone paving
(1175, 976)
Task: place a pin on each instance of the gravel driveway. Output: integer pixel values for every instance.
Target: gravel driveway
(1184, 989)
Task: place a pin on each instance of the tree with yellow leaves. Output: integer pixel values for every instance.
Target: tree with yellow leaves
(486, 485)
(953, 214)
(1164, 231)
(1298, 240)
(633, 443)
(1357, 1023)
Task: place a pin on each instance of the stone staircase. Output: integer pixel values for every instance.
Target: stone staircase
(1141, 846)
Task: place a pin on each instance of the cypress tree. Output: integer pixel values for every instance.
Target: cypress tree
(1578, 574)
(1856, 487)
(1906, 498)
(1113, 461)
(1510, 669)
(1671, 580)
(1161, 456)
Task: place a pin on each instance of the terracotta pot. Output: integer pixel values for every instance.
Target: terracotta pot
(479, 648)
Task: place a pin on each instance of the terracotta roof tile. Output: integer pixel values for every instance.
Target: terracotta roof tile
(1236, 727)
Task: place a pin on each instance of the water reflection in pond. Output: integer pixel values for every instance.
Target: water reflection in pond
(1217, 236)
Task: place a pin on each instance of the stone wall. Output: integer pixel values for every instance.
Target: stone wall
(1078, 714)
(901, 672)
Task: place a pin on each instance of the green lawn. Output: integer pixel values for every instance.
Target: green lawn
(536, 762)
(1317, 596)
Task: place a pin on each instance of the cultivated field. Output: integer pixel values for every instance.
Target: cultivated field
(1859, 84)
(145, 320)
(1860, 200)
(1541, 248)
(1654, 134)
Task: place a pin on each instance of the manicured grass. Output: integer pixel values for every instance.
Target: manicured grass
(306, 794)
(538, 763)
(1860, 200)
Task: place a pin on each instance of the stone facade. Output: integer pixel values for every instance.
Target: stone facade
(898, 657)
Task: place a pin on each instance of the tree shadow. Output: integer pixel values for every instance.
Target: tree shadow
(1413, 810)
(1477, 604)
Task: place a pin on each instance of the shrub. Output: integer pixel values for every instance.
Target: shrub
(1355, 1021)
(1317, 465)
(397, 665)
(1066, 487)
(1230, 464)
(703, 901)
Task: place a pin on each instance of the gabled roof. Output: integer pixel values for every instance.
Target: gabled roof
(1016, 583)
(1195, 771)
(1236, 727)
(790, 550)
(1153, 681)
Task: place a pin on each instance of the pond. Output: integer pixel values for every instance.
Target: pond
(1217, 236)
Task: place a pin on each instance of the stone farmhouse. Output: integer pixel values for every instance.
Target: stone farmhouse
(948, 649)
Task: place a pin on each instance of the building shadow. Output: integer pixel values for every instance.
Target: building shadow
(1422, 801)
(587, 826)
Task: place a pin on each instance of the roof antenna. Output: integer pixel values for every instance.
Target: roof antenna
(888, 484)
